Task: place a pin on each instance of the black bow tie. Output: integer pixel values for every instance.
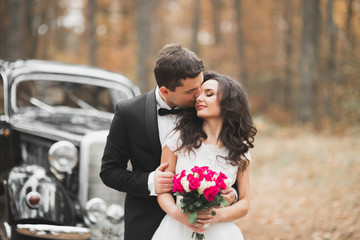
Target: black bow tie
(164, 111)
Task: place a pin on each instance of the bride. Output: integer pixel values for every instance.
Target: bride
(219, 135)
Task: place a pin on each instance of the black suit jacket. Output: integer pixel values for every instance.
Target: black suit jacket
(134, 136)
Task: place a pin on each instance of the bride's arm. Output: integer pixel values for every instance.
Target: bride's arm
(237, 210)
(166, 200)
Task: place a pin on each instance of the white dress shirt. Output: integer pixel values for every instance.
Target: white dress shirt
(166, 124)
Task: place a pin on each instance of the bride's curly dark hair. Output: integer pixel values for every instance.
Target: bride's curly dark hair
(238, 131)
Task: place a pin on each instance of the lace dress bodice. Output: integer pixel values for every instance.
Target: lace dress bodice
(205, 155)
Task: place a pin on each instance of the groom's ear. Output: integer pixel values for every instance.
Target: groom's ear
(164, 91)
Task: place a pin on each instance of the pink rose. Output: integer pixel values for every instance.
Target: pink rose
(177, 187)
(209, 175)
(198, 173)
(222, 175)
(194, 183)
(204, 168)
(211, 192)
(220, 183)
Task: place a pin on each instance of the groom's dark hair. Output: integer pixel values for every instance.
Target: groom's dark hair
(174, 64)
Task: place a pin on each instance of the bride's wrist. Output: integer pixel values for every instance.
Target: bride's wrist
(175, 213)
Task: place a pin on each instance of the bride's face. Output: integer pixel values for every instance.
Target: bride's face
(207, 103)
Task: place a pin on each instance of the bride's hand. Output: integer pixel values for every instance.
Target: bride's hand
(184, 219)
(207, 217)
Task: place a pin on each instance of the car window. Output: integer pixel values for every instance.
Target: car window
(1, 96)
(69, 94)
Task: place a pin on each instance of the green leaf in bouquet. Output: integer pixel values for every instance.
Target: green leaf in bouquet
(193, 217)
(198, 203)
(182, 204)
(224, 202)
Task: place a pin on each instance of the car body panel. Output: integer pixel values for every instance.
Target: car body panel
(42, 103)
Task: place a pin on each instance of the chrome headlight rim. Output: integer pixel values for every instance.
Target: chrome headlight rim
(115, 213)
(58, 148)
(96, 210)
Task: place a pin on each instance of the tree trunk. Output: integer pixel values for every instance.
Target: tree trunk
(15, 30)
(331, 63)
(349, 26)
(240, 42)
(31, 30)
(92, 32)
(195, 27)
(308, 63)
(144, 18)
(3, 27)
(288, 44)
(217, 20)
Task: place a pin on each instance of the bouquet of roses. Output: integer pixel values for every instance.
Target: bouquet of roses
(200, 188)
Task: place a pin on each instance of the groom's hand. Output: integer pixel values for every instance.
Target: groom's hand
(229, 195)
(163, 180)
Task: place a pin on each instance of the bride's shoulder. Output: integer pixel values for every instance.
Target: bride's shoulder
(173, 140)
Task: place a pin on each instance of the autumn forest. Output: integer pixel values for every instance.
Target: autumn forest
(298, 59)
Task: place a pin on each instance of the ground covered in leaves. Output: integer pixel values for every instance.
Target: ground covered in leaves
(304, 185)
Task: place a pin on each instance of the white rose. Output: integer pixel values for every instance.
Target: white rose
(210, 184)
(202, 187)
(185, 183)
(206, 184)
(228, 182)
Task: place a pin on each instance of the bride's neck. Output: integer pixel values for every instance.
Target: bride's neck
(212, 128)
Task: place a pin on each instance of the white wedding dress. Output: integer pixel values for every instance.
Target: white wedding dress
(204, 156)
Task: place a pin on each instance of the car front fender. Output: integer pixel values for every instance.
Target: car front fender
(55, 206)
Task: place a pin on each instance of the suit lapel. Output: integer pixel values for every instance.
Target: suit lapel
(152, 125)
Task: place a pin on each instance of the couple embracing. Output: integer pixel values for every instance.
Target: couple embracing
(192, 118)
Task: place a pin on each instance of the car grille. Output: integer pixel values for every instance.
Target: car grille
(91, 186)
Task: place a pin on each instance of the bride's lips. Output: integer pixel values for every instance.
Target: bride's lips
(199, 107)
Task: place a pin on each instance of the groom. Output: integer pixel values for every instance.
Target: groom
(139, 128)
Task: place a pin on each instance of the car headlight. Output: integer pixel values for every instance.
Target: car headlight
(63, 156)
(115, 213)
(96, 210)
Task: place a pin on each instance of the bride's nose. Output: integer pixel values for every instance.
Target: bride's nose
(199, 98)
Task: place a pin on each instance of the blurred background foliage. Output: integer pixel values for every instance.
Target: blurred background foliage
(298, 59)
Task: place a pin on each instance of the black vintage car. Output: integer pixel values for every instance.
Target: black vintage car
(54, 119)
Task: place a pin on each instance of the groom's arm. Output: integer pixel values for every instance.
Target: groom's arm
(117, 152)
(230, 194)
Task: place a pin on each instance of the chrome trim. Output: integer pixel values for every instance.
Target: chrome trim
(30, 194)
(53, 228)
(53, 231)
(6, 106)
(88, 139)
(47, 132)
(7, 230)
(103, 208)
(71, 147)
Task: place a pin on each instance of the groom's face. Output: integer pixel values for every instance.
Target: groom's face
(185, 95)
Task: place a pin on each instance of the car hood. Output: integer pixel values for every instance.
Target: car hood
(64, 123)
